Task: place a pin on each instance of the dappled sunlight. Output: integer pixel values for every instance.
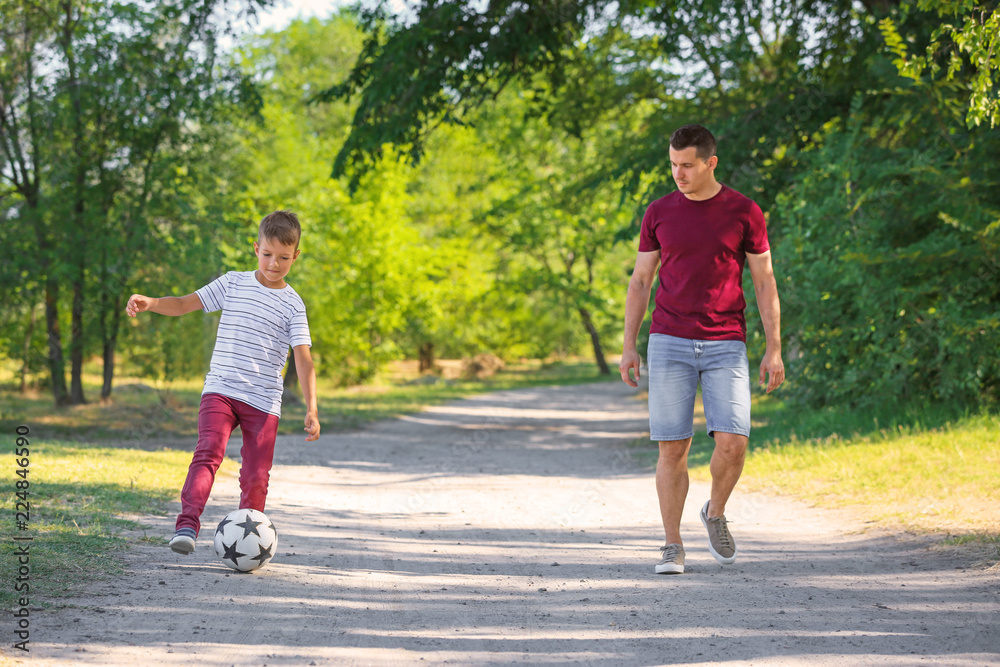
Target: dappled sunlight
(412, 540)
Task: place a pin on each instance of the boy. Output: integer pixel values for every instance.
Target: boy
(261, 316)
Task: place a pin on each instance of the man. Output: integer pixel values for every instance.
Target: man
(700, 237)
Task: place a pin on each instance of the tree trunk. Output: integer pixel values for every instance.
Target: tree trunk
(57, 367)
(109, 367)
(76, 343)
(109, 335)
(595, 340)
(290, 392)
(109, 315)
(78, 226)
(426, 357)
(25, 366)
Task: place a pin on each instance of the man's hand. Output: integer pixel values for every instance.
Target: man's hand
(138, 303)
(630, 360)
(312, 426)
(772, 366)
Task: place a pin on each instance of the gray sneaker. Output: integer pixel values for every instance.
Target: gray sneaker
(673, 559)
(183, 541)
(720, 542)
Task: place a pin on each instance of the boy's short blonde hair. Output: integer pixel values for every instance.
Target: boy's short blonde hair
(282, 226)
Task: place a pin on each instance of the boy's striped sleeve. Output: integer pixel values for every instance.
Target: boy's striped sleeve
(213, 295)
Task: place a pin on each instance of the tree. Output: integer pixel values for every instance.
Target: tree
(695, 57)
(892, 293)
(779, 85)
(93, 98)
(556, 225)
(365, 271)
(964, 48)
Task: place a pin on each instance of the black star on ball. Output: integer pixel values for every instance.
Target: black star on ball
(231, 553)
(264, 555)
(250, 526)
(222, 525)
(271, 526)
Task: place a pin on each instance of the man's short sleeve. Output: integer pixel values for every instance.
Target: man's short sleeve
(755, 239)
(647, 236)
(298, 327)
(213, 295)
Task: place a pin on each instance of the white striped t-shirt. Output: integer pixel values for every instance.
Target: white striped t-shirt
(257, 326)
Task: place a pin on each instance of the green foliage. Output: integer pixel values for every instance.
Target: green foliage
(448, 61)
(402, 256)
(964, 48)
(883, 234)
(557, 227)
(363, 268)
(892, 259)
(762, 75)
(107, 109)
(514, 231)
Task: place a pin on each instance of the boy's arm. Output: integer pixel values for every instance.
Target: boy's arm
(164, 305)
(307, 379)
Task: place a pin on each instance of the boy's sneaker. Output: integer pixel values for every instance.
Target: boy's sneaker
(672, 561)
(183, 542)
(720, 542)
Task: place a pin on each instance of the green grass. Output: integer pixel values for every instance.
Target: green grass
(81, 499)
(930, 469)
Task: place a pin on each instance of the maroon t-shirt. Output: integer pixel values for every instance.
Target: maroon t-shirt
(703, 246)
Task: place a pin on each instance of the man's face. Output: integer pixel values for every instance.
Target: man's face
(691, 173)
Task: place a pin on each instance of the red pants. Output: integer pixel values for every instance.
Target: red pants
(217, 417)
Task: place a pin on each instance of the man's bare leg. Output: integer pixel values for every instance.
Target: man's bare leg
(726, 467)
(672, 485)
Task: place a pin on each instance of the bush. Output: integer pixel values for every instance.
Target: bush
(891, 262)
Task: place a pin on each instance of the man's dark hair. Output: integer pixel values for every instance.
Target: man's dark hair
(694, 135)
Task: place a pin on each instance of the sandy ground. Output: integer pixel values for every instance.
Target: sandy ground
(513, 527)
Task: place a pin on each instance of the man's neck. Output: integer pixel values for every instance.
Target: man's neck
(707, 192)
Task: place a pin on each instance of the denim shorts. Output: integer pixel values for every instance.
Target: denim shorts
(675, 367)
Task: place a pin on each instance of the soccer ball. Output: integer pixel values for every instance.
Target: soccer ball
(245, 540)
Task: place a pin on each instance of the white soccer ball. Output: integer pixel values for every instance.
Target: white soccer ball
(245, 540)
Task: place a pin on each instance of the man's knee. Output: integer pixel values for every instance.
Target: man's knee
(674, 452)
(730, 445)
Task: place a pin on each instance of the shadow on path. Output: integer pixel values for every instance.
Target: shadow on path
(512, 527)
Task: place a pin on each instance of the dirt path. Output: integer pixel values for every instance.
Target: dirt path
(512, 527)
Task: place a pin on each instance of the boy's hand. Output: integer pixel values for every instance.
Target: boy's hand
(312, 426)
(138, 303)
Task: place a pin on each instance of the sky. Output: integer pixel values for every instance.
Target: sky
(285, 11)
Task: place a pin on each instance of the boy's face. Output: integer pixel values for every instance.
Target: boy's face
(274, 261)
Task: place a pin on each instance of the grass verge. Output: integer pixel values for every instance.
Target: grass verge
(931, 469)
(80, 499)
